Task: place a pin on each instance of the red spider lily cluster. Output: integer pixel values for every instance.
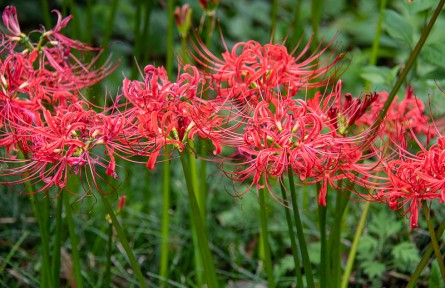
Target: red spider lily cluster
(253, 101)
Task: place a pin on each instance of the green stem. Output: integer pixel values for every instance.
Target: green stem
(425, 258)
(296, 29)
(74, 244)
(265, 235)
(107, 278)
(137, 39)
(293, 242)
(409, 64)
(110, 23)
(316, 9)
(209, 268)
(300, 232)
(376, 42)
(165, 229)
(354, 247)
(334, 244)
(46, 14)
(39, 211)
(202, 208)
(57, 242)
(171, 24)
(434, 241)
(123, 239)
(273, 16)
(324, 259)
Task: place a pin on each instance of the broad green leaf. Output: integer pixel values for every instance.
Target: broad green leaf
(398, 27)
(374, 74)
(434, 54)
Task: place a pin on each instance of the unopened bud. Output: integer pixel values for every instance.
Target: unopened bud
(121, 204)
(183, 18)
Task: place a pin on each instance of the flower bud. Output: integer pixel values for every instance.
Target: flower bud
(183, 18)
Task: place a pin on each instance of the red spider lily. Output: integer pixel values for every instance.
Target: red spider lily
(406, 115)
(407, 188)
(251, 72)
(10, 38)
(288, 135)
(52, 58)
(168, 113)
(62, 145)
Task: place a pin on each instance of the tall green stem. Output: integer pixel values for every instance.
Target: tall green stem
(74, 244)
(45, 12)
(316, 9)
(57, 242)
(425, 258)
(300, 232)
(171, 24)
(434, 241)
(265, 235)
(209, 268)
(290, 226)
(355, 242)
(42, 221)
(324, 259)
(165, 229)
(123, 239)
(334, 244)
(273, 16)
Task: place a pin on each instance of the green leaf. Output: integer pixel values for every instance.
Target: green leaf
(434, 54)
(398, 27)
(382, 226)
(374, 74)
(314, 250)
(405, 256)
(367, 248)
(418, 6)
(373, 269)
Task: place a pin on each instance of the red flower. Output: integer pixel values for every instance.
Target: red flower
(403, 116)
(62, 145)
(251, 72)
(168, 113)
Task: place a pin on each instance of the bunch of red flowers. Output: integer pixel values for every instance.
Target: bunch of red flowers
(253, 100)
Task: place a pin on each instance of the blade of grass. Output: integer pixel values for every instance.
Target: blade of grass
(13, 250)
